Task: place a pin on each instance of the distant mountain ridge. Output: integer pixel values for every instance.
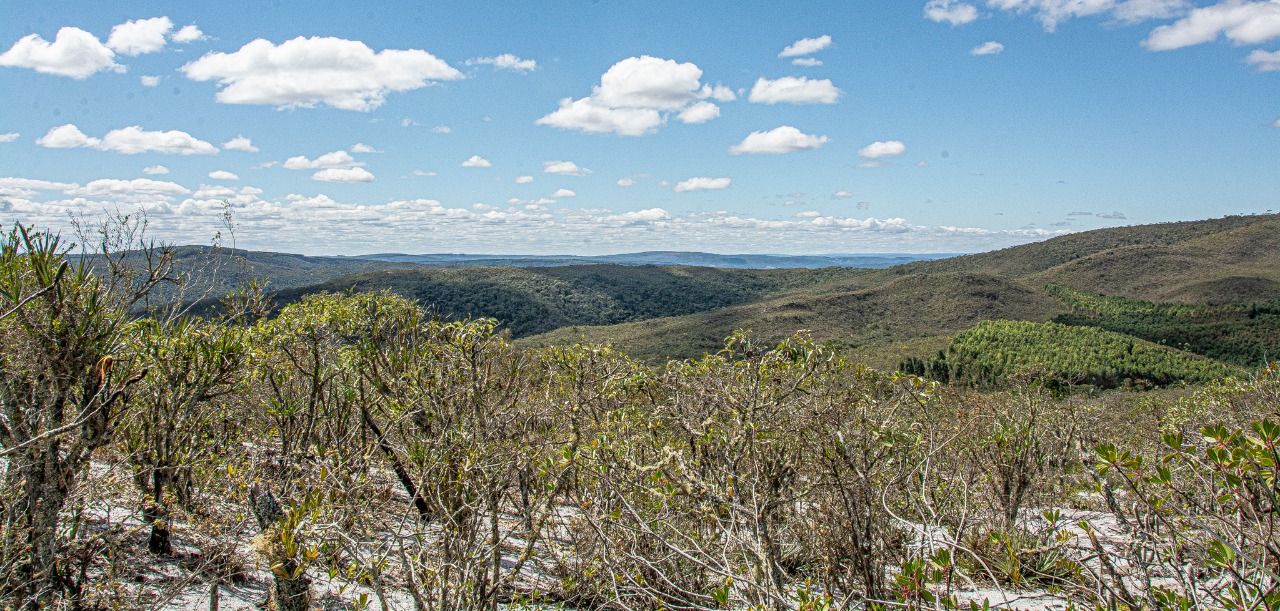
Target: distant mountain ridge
(664, 257)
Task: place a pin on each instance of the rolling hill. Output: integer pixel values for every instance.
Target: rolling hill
(1229, 260)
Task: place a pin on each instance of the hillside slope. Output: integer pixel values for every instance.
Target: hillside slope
(1229, 260)
(532, 300)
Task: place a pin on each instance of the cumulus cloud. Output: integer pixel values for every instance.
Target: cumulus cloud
(223, 175)
(319, 224)
(343, 175)
(1276, 124)
(240, 143)
(506, 61)
(564, 193)
(808, 62)
(700, 183)
(188, 33)
(442, 129)
(1241, 22)
(950, 11)
(73, 52)
(805, 46)
(629, 182)
(139, 36)
(1264, 61)
(130, 190)
(841, 195)
(129, 141)
(564, 168)
(635, 96)
(990, 47)
(423, 173)
(153, 170)
(876, 150)
(9, 137)
(784, 139)
(872, 164)
(699, 113)
(794, 90)
(477, 161)
(523, 180)
(334, 160)
(149, 81)
(12, 182)
(305, 72)
(361, 147)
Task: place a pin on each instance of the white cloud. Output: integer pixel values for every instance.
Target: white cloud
(66, 137)
(223, 175)
(950, 11)
(564, 193)
(808, 62)
(1137, 11)
(240, 143)
(990, 47)
(872, 164)
(807, 214)
(585, 115)
(442, 129)
(922, 164)
(1052, 12)
(131, 190)
(129, 140)
(719, 93)
(149, 81)
(304, 72)
(805, 46)
(407, 122)
(319, 224)
(1264, 61)
(524, 180)
(361, 147)
(506, 61)
(699, 113)
(794, 90)
(9, 137)
(343, 175)
(73, 52)
(876, 150)
(139, 36)
(188, 33)
(642, 216)
(133, 140)
(423, 173)
(634, 97)
(153, 170)
(700, 183)
(841, 195)
(477, 161)
(629, 182)
(1241, 22)
(334, 160)
(564, 168)
(1276, 124)
(42, 185)
(784, 139)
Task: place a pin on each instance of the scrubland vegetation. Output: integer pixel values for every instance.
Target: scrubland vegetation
(353, 449)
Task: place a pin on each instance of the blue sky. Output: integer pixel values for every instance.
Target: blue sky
(604, 127)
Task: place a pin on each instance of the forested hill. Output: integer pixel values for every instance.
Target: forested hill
(1233, 260)
(536, 300)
